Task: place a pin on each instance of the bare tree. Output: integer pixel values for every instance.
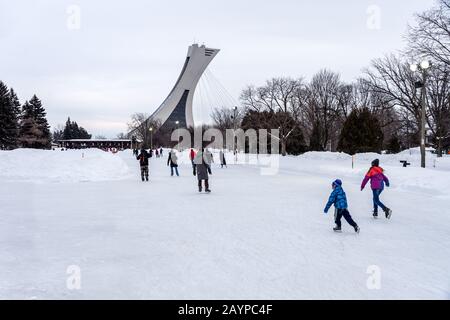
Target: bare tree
(438, 91)
(279, 96)
(122, 136)
(430, 38)
(140, 125)
(324, 104)
(393, 84)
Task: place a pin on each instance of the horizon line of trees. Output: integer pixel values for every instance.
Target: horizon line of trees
(381, 110)
(26, 126)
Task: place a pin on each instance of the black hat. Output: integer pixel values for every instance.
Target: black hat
(375, 163)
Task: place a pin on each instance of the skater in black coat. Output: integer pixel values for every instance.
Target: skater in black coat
(202, 167)
(173, 162)
(223, 161)
(143, 162)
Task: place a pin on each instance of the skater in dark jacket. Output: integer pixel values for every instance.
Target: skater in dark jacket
(172, 160)
(202, 167)
(339, 200)
(223, 161)
(143, 162)
(192, 156)
(377, 182)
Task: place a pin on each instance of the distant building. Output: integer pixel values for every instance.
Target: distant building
(103, 144)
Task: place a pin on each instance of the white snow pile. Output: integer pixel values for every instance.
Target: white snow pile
(40, 166)
(413, 178)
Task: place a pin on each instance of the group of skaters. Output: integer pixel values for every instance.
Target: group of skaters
(378, 181)
(201, 167)
(201, 164)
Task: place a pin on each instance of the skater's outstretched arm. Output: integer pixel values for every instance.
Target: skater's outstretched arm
(386, 180)
(331, 200)
(364, 182)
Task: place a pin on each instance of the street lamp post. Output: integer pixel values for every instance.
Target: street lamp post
(151, 138)
(423, 68)
(234, 134)
(178, 123)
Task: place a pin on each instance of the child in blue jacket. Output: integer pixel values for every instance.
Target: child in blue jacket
(339, 199)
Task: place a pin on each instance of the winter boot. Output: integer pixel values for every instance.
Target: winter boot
(337, 229)
(208, 191)
(375, 214)
(357, 229)
(388, 213)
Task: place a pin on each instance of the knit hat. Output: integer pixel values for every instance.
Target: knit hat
(376, 163)
(337, 182)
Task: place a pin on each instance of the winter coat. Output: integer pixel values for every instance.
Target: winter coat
(222, 157)
(172, 160)
(192, 155)
(376, 177)
(143, 158)
(338, 198)
(201, 167)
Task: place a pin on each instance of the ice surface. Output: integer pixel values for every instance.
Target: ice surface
(254, 237)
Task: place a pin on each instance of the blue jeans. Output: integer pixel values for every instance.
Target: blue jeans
(376, 200)
(176, 170)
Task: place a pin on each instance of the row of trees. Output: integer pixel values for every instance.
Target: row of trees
(26, 125)
(22, 125)
(380, 110)
(71, 130)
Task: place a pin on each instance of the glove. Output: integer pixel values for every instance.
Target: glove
(325, 211)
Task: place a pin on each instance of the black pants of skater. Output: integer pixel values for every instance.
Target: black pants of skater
(200, 184)
(144, 172)
(344, 213)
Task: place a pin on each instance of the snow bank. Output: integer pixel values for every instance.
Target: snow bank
(413, 178)
(61, 166)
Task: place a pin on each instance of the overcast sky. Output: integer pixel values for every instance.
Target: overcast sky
(125, 56)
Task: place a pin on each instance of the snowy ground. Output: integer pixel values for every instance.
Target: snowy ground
(255, 237)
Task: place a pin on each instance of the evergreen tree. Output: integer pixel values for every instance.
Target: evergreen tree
(361, 133)
(9, 122)
(268, 120)
(73, 131)
(28, 126)
(34, 128)
(393, 145)
(57, 135)
(16, 104)
(67, 132)
(315, 140)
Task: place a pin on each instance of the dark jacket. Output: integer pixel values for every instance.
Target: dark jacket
(143, 158)
(222, 157)
(173, 159)
(202, 166)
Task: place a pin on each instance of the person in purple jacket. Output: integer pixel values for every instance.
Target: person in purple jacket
(377, 182)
